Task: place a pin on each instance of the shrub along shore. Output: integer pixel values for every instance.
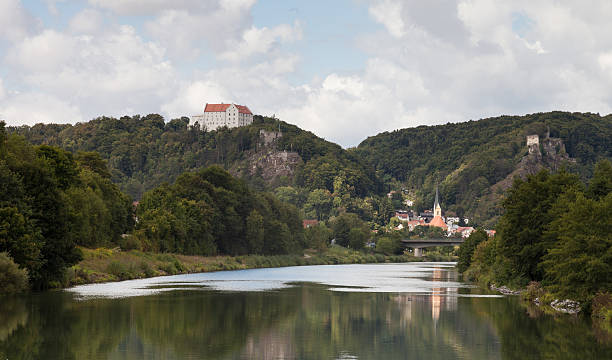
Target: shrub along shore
(104, 265)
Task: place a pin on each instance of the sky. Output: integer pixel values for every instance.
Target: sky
(343, 69)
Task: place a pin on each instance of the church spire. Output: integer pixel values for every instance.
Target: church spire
(437, 209)
(437, 202)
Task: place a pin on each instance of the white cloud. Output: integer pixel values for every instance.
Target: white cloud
(188, 31)
(535, 46)
(32, 108)
(388, 13)
(87, 21)
(147, 7)
(15, 21)
(2, 91)
(191, 99)
(261, 40)
(112, 71)
(436, 61)
(44, 52)
(605, 62)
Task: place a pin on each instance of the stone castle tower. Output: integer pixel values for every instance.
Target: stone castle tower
(437, 209)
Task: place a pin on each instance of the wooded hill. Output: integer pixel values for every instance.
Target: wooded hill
(143, 152)
(473, 162)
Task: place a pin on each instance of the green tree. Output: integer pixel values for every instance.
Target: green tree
(12, 278)
(388, 245)
(318, 204)
(579, 264)
(255, 232)
(528, 204)
(467, 248)
(341, 227)
(601, 183)
(318, 236)
(357, 238)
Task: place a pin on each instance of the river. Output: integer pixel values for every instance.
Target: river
(382, 311)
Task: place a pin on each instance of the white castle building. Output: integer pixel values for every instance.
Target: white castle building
(219, 115)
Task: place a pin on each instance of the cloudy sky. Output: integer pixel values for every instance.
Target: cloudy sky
(344, 69)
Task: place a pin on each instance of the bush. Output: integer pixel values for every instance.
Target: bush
(387, 246)
(169, 268)
(120, 270)
(146, 269)
(602, 307)
(12, 279)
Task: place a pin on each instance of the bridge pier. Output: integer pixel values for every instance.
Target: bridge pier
(418, 252)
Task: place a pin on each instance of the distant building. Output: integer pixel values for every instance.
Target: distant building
(533, 143)
(437, 212)
(309, 223)
(219, 115)
(490, 233)
(533, 140)
(452, 220)
(402, 215)
(426, 215)
(465, 231)
(414, 223)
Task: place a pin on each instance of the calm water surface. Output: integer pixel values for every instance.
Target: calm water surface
(387, 311)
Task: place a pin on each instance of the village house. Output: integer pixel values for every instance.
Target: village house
(465, 231)
(308, 223)
(402, 215)
(414, 223)
(219, 115)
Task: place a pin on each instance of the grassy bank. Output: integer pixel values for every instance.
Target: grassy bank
(103, 265)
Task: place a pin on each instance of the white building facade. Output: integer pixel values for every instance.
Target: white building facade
(219, 115)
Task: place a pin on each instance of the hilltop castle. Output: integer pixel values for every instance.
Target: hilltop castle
(219, 115)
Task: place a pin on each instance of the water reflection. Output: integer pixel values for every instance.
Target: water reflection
(303, 321)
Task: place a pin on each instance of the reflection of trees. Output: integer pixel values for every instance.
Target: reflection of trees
(210, 324)
(12, 315)
(382, 326)
(544, 337)
(304, 322)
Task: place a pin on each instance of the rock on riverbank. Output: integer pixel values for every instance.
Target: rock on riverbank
(566, 306)
(504, 290)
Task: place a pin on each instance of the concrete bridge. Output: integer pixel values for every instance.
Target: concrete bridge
(419, 244)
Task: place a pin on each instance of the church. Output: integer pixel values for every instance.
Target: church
(437, 219)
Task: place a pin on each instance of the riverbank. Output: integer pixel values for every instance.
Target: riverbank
(104, 265)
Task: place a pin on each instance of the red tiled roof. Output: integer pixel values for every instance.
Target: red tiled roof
(216, 107)
(243, 109)
(308, 223)
(437, 221)
(463, 228)
(222, 107)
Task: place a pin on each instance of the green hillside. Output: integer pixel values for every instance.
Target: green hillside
(468, 159)
(473, 162)
(144, 152)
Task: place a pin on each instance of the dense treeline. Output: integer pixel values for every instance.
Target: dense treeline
(50, 202)
(468, 158)
(209, 212)
(145, 151)
(556, 230)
